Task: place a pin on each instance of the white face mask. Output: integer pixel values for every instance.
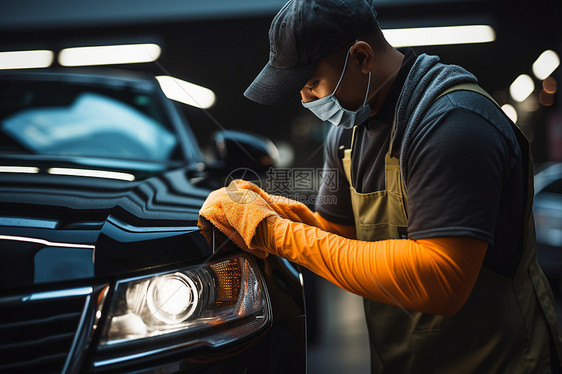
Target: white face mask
(328, 108)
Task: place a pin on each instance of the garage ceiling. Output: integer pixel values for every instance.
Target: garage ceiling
(37, 14)
(222, 44)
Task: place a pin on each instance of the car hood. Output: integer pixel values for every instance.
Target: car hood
(60, 228)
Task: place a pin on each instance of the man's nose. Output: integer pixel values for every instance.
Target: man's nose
(307, 96)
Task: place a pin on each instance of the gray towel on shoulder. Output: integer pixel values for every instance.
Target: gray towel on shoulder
(427, 79)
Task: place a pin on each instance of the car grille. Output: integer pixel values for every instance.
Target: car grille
(36, 331)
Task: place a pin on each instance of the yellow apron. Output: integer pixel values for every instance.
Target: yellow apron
(503, 327)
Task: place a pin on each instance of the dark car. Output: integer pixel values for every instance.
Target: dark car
(103, 268)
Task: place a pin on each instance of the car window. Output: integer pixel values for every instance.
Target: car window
(55, 118)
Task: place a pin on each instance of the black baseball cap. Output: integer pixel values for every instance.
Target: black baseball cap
(302, 33)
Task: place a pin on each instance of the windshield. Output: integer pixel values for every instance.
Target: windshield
(76, 119)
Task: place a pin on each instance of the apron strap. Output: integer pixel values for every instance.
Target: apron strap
(467, 87)
(346, 161)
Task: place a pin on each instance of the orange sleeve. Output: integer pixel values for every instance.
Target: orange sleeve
(432, 275)
(336, 228)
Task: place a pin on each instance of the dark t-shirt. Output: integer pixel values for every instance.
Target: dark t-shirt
(464, 173)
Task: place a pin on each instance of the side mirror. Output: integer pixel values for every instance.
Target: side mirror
(242, 150)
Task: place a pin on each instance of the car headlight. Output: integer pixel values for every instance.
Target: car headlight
(172, 298)
(210, 304)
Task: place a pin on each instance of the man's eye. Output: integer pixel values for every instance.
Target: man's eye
(313, 86)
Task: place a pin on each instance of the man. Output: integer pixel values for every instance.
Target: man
(433, 223)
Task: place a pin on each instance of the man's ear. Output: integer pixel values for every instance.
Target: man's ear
(363, 53)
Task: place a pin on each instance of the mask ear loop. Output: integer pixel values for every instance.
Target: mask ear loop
(344, 66)
(367, 93)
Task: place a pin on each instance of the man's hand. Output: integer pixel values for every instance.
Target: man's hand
(236, 212)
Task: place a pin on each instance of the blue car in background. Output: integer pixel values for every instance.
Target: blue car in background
(547, 210)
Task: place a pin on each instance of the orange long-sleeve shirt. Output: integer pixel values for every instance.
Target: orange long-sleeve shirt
(432, 275)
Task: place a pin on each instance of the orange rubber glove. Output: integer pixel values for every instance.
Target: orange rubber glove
(432, 275)
(295, 210)
(236, 213)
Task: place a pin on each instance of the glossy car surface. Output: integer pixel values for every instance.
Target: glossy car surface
(103, 267)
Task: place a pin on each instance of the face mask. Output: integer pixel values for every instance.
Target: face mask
(328, 108)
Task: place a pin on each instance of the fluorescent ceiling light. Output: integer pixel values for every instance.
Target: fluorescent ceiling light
(521, 88)
(185, 92)
(108, 55)
(26, 59)
(92, 173)
(19, 169)
(510, 111)
(411, 37)
(547, 62)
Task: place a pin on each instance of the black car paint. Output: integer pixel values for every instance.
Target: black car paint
(135, 228)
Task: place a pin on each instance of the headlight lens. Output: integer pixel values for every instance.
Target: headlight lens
(172, 298)
(213, 303)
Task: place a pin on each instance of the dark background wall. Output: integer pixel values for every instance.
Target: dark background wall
(222, 45)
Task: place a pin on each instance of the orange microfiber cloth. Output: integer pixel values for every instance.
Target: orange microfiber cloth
(287, 208)
(236, 213)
